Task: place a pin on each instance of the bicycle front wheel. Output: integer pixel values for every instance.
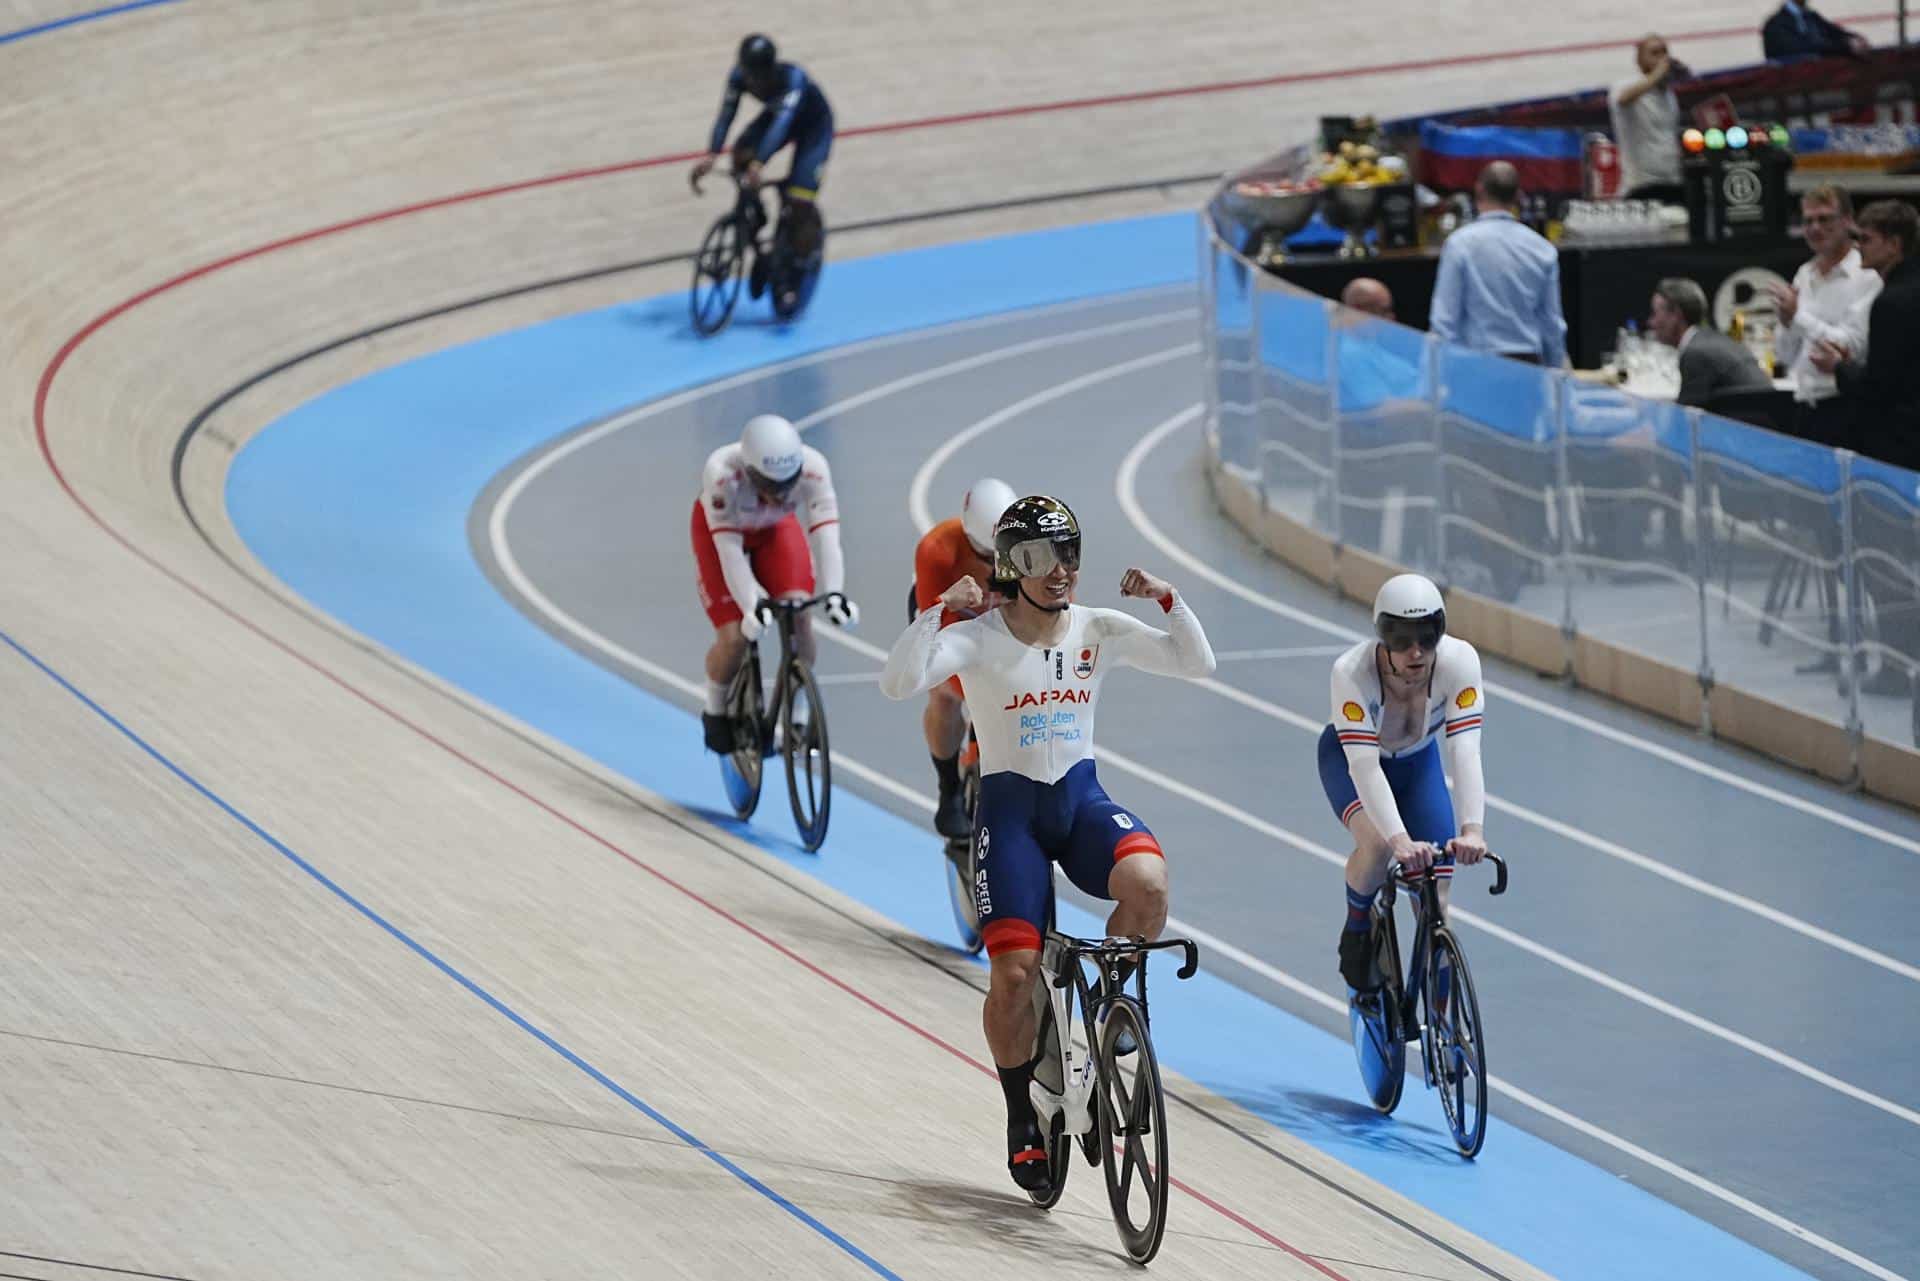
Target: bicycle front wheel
(1458, 1058)
(962, 868)
(803, 724)
(1133, 1124)
(717, 275)
(740, 772)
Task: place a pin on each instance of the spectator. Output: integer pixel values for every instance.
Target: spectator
(1825, 293)
(1796, 31)
(1885, 389)
(1646, 123)
(1884, 386)
(1379, 363)
(1499, 284)
(1711, 364)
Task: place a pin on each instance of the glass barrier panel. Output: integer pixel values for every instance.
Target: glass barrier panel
(1884, 511)
(1498, 525)
(1633, 549)
(1774, 624)
(1235, 391)
(1293, 342)
(1386, 469)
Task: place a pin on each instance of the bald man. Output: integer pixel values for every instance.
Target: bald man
(1365, 294)
(1499, 283)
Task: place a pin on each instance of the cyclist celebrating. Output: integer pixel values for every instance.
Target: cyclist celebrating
(1032, 668)
(956, 548)
(1380, 757)
(794, 111)
(749, 547)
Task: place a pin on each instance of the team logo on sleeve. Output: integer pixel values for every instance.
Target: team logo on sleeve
(1088, 657)
(1354, 712)
(1467, 698)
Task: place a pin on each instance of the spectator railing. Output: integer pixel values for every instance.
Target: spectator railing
(1759, 586)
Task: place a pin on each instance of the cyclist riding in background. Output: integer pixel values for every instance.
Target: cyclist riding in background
(749, 546)
(1032, 669)
(794, 111)
(956, 548)
(1393, 699)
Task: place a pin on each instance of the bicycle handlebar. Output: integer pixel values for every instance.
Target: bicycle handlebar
(1402, 877)
(1077, 948)
(765, 607)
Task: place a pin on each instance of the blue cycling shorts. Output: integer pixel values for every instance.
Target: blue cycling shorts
(810, 150)
(1419, 788)
(1022, 827)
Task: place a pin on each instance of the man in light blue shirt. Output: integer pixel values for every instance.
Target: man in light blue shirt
(1499, 284)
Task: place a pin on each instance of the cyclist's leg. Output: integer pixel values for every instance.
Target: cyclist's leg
(1426, 807)
(803, 189)
(945, 726)
(729, 647)
(1366, 868)
(784, 566)
(1011, 894)
(748, 143)
(1111, 854)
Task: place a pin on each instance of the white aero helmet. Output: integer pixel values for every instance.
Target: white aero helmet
(1408, 609)
(981, 510)
(771, 449)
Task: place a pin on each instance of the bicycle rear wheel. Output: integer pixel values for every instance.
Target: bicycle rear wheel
(1133, 1120)
(740, 772)
(718, 270)
(803, 724)
(1457, 1057)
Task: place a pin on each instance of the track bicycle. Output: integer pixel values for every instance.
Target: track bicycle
(1433, 1001)
(794, 722)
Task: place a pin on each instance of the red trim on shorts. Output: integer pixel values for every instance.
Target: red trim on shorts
(1346, 815)
(1138, 843)
(1013, 935)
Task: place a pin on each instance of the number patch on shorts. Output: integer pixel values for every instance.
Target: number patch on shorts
(1122, 821)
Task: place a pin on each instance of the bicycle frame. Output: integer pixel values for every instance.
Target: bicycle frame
(1411, 987)
(1065, 978)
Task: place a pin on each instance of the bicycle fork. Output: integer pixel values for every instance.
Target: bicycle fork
(1063, 1078)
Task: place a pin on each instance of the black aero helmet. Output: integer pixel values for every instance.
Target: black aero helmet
(1033, 536)
(757, 55)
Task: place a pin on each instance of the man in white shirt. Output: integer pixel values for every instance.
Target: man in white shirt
(1646, 124)
(1829, 300)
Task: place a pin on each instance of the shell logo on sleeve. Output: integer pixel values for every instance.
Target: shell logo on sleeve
(1467, 698)
(1353, 712)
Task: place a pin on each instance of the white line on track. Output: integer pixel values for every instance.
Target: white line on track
(695, 691)
(1125, 489)
(1624, 737)
(1296, 651)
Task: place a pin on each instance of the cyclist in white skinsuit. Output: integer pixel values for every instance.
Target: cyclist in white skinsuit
(1032, 670)
(765, 526)
(1396, 698)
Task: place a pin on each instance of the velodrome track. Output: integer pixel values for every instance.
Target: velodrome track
(485, 1040)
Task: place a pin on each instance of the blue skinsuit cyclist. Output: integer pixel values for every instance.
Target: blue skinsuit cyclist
(794, 111)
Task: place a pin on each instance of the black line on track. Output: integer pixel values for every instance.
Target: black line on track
(90, 1267)
(686, 823)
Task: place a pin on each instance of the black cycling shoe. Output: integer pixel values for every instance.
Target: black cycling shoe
(950, 816)
(1027, 1155)
(757, 276)
(1356, 960)
(718, 731)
